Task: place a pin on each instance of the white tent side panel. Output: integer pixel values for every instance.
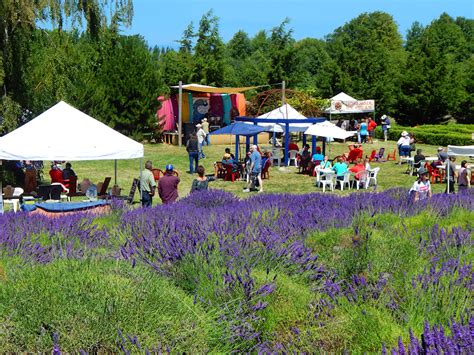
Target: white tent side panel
(467, 150)
(65, 133)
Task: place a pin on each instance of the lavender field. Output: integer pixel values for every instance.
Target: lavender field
(368, 272)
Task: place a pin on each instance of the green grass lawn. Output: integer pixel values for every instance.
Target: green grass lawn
(281, 180)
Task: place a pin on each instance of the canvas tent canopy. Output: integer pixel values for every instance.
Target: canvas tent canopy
(213, 89)
(467, 150)
(328, 130)
(284, 112)
(65, 133)
(343, 103)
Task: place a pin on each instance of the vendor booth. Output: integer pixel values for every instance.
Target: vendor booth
(63, 133)
(180, 112)
(343, 104)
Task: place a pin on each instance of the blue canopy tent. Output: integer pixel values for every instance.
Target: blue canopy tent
(240, 129)
(284, 122)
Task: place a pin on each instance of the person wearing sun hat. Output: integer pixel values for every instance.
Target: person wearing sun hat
(421, 189)
(168, 185)
(201, 136)
(403, 145)
(205, 128)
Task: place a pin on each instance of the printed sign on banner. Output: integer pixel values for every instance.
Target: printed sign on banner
(340, 106)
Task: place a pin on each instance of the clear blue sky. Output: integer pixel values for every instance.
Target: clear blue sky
(162, 22)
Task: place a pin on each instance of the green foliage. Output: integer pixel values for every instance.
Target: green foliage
(9, 113)
(435, 84)
(208, 52)
(440, 135)
(369, 52)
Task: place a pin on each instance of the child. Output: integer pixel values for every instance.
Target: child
(422, 187)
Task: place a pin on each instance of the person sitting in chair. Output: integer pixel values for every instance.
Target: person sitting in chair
(68, 172)
(56, 174)
(358, 169)
(305, 158)
(418, 158)
(340, 168)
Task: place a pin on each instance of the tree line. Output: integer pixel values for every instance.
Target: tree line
(83, 58)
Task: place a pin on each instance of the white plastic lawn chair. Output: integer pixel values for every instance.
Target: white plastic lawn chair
(362, 181)
(328, 179)
(15, 200)
(373, 176)
(276, 155)
(346, 181)
(292, 157)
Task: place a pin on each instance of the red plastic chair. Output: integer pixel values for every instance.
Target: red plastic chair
(265, 170)
(392, 156)
(231, 173)
(372, 155)
(435, 174)
(355, 154)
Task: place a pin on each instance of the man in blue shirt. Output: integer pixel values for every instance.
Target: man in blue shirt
(255, 168)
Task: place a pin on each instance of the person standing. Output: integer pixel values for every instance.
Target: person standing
(385, 126)
(147, 184)
(192, 147)
(168, 186)
(68, 172)
(422, 187)
(201, 136)
(450, 175)
(205, 128)
(463, 177)
(371, 126)
(363, 131)
(255, 168)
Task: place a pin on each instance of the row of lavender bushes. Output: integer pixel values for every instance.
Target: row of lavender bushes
(365, 272)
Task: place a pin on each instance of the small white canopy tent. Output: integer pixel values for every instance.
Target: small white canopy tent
(328, 130)
(65, 133)
(343, 103)
(467, 150)
(285, 111)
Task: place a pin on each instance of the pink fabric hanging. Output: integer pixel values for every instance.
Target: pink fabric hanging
(217, 106)
(233, 99)
(165, 114)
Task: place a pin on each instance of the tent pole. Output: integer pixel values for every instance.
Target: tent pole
(287, 142)
(115, 171)
(313, 145)
(180, 112)
(283, 97)
(141, 187)
(324, 146)
(447, 176)
(237, 138)
(1, 187)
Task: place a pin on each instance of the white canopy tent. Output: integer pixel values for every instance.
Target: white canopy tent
(467, 150)
(328, 130)
(65, 133)
(343, 103)
(285, 111)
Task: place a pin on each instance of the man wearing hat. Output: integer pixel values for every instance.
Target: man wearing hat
(385, 126)
(201, 136)
(168, 186)
(205, 128)
(403, 145)
(422, 187)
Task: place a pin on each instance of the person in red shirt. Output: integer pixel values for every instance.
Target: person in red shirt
(293, 146)
(371, 125)
(168, 186)
(358, 169)
(56, 174)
